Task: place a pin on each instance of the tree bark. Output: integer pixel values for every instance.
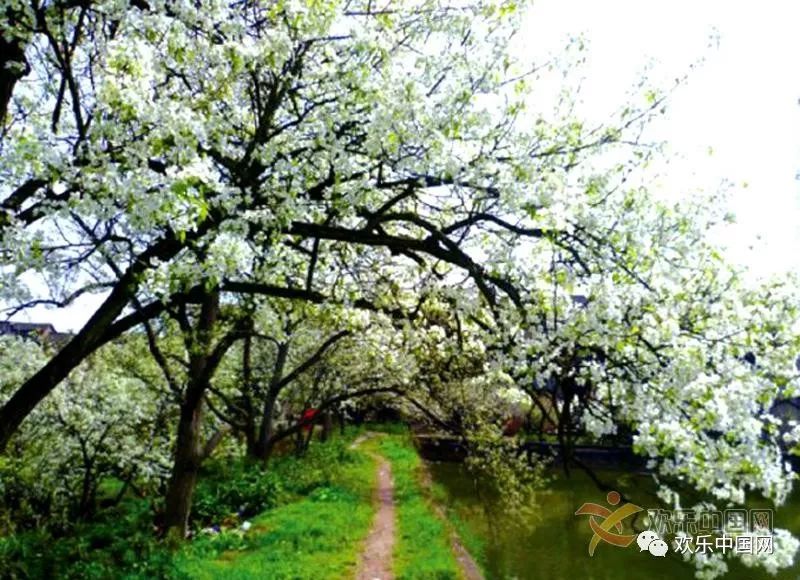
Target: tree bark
(88, 489)
(188, 459)
(262, 448)
(189, 445)
(263, 444)
(327, 426)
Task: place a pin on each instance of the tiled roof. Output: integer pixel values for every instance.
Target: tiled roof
(43, 330)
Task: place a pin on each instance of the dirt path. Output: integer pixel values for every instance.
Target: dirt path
(376, 559)
(469, 567)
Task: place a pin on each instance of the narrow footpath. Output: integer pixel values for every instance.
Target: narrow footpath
(376, 560)
(377, 556)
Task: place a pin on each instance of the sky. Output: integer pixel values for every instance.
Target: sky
(737, 118)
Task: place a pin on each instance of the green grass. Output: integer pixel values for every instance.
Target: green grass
(312, 517)
(319, 536)
(422, 548)
(474, 542)
(309, 516)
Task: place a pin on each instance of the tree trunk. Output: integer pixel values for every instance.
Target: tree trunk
(214, 441)
(251, 442)
(299, 443)
(327, 426)
(188, 459)
(88, 487)
(303, 441)
(564, 425)
(189, 445)
(250, 428)
(262, 446)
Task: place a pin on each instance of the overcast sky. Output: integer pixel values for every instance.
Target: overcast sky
(736, 119)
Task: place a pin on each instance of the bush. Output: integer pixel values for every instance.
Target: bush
(118, 544)
(242, 493)
(231, 490)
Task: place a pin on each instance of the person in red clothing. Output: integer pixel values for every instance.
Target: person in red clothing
(512, 426)
(308, 419)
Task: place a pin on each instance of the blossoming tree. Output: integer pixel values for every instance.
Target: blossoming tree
(168, 158)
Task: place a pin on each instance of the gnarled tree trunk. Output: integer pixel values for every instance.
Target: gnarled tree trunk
(189, 448)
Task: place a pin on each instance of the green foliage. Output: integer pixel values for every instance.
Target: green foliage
(102, 423)
(245, 492)
(423, 547)
(243, 489)
(119, 544)
(329, 483)
(316, 536)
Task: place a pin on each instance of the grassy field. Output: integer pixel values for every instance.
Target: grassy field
(302, 518)
(320, 536)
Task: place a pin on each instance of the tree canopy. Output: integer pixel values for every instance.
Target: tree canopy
(309, 201)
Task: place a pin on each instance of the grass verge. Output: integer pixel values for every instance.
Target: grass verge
(422, 548)
(318, 536)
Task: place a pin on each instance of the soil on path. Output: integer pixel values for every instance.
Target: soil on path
(376, 559)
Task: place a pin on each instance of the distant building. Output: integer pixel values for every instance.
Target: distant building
(41, 332)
